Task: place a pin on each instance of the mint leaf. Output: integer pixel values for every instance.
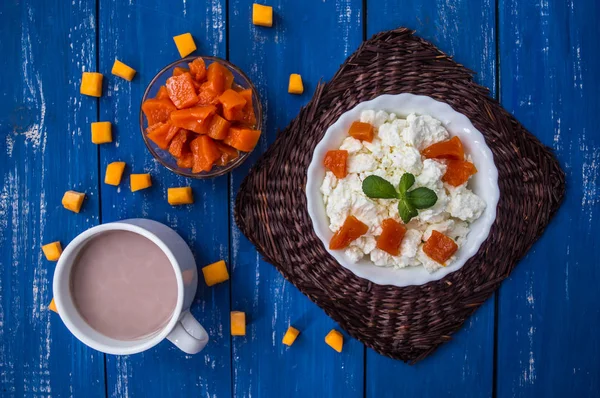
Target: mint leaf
(406, 182)
(421, 198)
(376, 187)
(406, 210)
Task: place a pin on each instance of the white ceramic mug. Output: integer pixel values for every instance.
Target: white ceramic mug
(183, 329)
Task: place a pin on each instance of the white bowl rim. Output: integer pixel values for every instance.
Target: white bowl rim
(484, 184)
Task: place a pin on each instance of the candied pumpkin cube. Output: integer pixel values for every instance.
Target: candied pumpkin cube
(180, 196)
(158, 110)
(243, 139)
(198, 69)
(162, 93)
(232, 102)
(449, 149)
(290, 336)
(228, 154)
(185, 44)
(439, 247)
(73, 200)
(391, 236)
(362, 131)
(215, 273)
(218, 128)
(335, 340)
(52, 306)
(196, 119)
(162, 134)
(262, 15)
(186, 161)
(101, 132)
(122, 70)
(179, 146)
(52, 251)
(114, 173)
(182, 90)
(458, 172)
(351, 230)
(295, 85)
(205, 153)
(238, 323)
(140, 181)
(91, 84)
(336, 161)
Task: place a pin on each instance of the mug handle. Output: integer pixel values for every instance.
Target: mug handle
(188, 335)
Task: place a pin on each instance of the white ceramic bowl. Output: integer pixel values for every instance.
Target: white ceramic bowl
(484, 183)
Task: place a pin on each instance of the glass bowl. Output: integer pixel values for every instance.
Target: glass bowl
(163, 156)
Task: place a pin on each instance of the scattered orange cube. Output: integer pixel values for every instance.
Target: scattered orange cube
(238, 323)
(362, 131)
(290, 336)
(185, 44)
(295, 85)
(73, 200)
(335, 340)
(215, 273)
(52, 251)
(91, 84)
(122, 70)
(180, 196)
(114, 173)
(140, 181)
(101, 132)
(262, 15)
(52, 306)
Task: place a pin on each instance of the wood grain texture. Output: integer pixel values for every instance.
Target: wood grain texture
(140, 34)
(46, 150)
(311, 38)
(548, 310)
(464, 366)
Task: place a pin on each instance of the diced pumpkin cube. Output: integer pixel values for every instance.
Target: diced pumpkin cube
(243, 139)
(215, 273)
(140, 181)
(157, 110)
(262, 15)
(439, 247)
(73, 200)
(206, 95)
(351, 230)
(238, 323)
(290, 336)
(198, 69)
(391, 236)
(196, 119)
(91, 84)
(182, 90)
(247, 115)
(101, 132)
(178, 70)
(52, 251)
(185, 44)
(162, 134)
(362, 131)
(335, 340)
(228, 154)
(114, 173)
(218, 128)
(162, 93)
(52, 306)
(218, 78)
(122, 70)
(449, 149)
(295, 85)
(180, 196)
(178, 146)
(205, 153)
(458, 172)
(232, 102)
(186, 161)
(336, 161)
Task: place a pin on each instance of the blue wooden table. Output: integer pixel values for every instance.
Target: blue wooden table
(538, 336)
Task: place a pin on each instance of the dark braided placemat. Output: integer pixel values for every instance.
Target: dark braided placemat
(411, 322)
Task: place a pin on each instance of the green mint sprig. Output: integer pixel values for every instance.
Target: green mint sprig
(409, 202)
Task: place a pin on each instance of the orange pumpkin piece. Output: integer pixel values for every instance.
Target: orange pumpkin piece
(206, 95)
(196, 119)
(205, 153)
(218, 128)
(439, 247)
(228, 154)
(362, 131)
(157, 110)
(219, 78)
(162, 134)
(449, 149)
(198, 69)
(352, 229)
(182, 91)
(336, 162)
(458, 172)
(178, 146)
(391, 236)
(178, 70)
(241, 138)
(162, 93)
(247, 115)
(186, 161)
(232, 102)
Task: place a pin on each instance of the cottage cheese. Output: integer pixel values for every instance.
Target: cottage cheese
(395, 150)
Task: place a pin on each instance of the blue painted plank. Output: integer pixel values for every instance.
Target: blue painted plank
(46, 150)
(312, 38)
(464, 366)
(140, 34)
(548, 319)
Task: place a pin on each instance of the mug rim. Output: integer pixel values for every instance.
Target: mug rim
(59, 288)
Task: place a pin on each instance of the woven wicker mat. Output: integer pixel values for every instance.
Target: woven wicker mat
(403, 323)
